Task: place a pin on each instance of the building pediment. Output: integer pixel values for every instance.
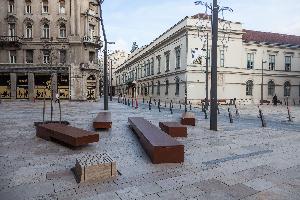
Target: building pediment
(44, 20)
(11, 18)
(61, 20)
(28, 20)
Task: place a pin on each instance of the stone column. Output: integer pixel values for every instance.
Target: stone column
(13, 85)
(31, 94)
(78, 24)
(54, 84)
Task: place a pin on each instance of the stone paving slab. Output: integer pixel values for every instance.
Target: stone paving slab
(241, 160)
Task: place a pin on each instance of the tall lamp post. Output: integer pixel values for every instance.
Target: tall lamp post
(105, 88)
(262, 82)
(215, 9)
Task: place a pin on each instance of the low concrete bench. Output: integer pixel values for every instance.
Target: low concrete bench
(188, 118)
(173, 129)
(160, 147)
(67, 134)
(102, 121)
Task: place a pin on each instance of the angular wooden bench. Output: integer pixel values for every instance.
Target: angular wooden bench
(67, 134)
(160, 147)
(188, 118)
(173, 129)
(102, 121)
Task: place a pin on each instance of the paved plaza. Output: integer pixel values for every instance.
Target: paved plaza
(240, 161)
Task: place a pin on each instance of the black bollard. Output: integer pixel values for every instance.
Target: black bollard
(128, 103)
(172, 104)
(289, 115)
(190, 105)
(262, 118)
(143, 100)
(159, 105)
(171, 108)
(205, 114)
(218, 110)
(150, 104)
(294, 102)
(179, 105)
(230, 116)
(155, 102)
(237, 114)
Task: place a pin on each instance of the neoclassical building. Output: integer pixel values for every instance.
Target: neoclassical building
(174, 64)
(49, 43)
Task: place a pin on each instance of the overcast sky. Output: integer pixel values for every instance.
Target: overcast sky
(141, 21)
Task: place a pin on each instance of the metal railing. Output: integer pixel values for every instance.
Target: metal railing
(10, 39)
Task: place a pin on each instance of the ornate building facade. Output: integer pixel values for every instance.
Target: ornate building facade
(250, 63)
(49, 43)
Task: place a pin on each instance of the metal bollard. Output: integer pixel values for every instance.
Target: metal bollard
(132, 102)
(136, 103)
(289, 114)
(150, 104)
(128, 103)
(237, 114)
(230, 116)
(205, 114)
(159, 105)
(143, 100)
(171, 108)
(190, 105)
(179, 105)
(262, 118)
(155, 102)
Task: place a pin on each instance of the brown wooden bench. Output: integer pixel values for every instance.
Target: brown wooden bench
(188, 118)
(102, 121)
(160, 147)
(67, 134)
(173, 129)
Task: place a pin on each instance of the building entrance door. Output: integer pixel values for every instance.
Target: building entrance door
(42, 86)
(5, 86)
(63, 86)
(22, 87)
(91, 87)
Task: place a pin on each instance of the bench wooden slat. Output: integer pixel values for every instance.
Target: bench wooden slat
(103, 121)
(160, 147)
(70, 135)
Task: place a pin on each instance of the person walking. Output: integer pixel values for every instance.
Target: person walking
(275, 100)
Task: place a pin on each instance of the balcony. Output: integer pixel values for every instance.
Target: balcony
(10, 41)
(92, 41)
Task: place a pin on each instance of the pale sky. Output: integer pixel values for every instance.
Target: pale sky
(141, 21)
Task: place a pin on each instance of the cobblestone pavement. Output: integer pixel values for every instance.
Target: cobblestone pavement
(240, 161)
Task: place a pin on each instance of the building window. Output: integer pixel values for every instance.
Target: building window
(249, 88)
(91, 56)
(12, 56)
(62, 7)
(46, 56)
(288, 62)
(158, 87)
(62, 56)
(177, 52)
(11, 30)
(46, 31)
(250, 60)
(145, 69)
(29, 56)
(148, 68)
(136, 73)
(11, 6)
(62, 31)
(91, 31)
(45, 8)
(271, 62)
(167, 57)
(152, 66)
(167, 87)
(287, 89)
(222, 58)
(28, 6)
(177, 86)
(28, 30)
(158, 58)
(271, 88)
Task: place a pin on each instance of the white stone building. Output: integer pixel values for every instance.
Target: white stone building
(175, 62)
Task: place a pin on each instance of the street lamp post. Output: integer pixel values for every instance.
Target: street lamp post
(262, 83)
(206, 74)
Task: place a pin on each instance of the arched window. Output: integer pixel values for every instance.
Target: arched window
(152, 66)
(46, 31)
(167, 87)
(271, 88)
(28, 6)
(62, 6)
(28, 30)
(287, 89)
(177, 86)
(148, 68)
(11, 6)
(158, 87)
(62, 30)
(249, 88)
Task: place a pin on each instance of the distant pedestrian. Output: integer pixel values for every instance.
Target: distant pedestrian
(57, 98)
(275, 100)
